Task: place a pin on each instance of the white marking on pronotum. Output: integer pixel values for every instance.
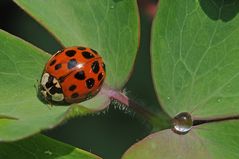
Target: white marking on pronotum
(44, 79)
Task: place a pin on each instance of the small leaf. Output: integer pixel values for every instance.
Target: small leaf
(21, 112)
(40, 146)
(109, 26)
(207, 141)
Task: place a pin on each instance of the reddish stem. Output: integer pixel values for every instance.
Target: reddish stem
(120, 97)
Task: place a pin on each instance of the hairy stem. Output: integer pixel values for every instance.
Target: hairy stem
(120, 97)
(158, 121)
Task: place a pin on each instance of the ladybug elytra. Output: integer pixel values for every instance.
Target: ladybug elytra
(72, 75)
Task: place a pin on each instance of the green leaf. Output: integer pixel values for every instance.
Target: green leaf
(40, 146)
(195, 60)
(21, 112)
(195, 67)
(209, 141)
(108, 26)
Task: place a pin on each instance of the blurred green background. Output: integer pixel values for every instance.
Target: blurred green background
(110, 133)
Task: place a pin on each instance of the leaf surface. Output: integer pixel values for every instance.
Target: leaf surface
(21, 112)
(195, 68)
(195, 59)
(109, 26)
(208, 141)
(40, 146)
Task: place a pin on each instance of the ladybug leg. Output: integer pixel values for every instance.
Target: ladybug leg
(48, 103)
(49, 106)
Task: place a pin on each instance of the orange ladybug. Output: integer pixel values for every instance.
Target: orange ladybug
(72, 75)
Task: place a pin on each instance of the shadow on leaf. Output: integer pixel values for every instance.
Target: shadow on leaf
(40, 146)
(224, 10)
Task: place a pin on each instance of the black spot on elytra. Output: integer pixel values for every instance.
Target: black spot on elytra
(58, 66)
(95, 52)
(80, 75)
(90, 83)
(87, 55)
(95, 67)
(72, 63)
(72, 87)
(70, 53)
(52, 62)
(100, 76)
(81, 48)
(74, 95)
(103, 65)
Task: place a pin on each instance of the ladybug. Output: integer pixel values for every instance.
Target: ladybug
(72, 75)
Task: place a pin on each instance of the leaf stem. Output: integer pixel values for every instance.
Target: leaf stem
(217, 119)
(158, 120)
(123, 99)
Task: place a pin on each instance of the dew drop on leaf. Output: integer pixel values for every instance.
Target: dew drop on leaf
(182, 123)
(112, 7)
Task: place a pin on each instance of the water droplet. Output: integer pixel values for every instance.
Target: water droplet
(48, 152)
(168, 98)
(112, 7)
(182, 123)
